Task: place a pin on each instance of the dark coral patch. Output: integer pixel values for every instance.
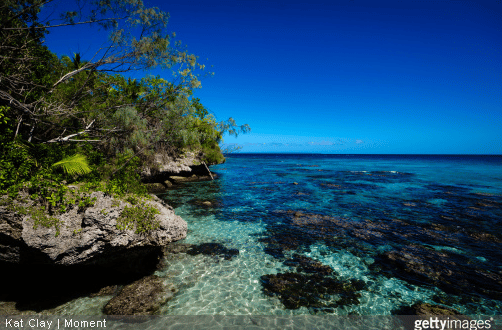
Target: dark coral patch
(311, 290)
(451, 272)
(308, 265)
(213, 249)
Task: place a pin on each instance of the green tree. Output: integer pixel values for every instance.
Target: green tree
(53, 108)
(71, 88)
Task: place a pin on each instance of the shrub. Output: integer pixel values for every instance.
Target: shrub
(139, 217)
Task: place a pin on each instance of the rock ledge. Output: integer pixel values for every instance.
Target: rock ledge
(86, 238)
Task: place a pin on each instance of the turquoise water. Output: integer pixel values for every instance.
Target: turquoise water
(354, 214)
(336, 235)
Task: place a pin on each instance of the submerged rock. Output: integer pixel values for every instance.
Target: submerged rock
(213, 249)
(206, 203)
(143, 297)
(176, 248)
(311, 290)
(106, 291)
(424, 311)
(428, 309)
(308, 265)
(451, 272)
(156, 187)
(287, 240)
(455, 259)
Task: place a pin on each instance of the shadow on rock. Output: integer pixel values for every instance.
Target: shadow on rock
(43, 287)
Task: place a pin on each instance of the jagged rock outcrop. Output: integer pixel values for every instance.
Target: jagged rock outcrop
(88, 237)
(188, 165)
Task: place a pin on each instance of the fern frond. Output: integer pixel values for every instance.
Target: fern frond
(76, 164)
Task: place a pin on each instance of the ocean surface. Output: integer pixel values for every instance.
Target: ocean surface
(289, 234)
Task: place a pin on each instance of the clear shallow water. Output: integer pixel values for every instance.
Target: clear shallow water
(336, 234)
(368, 218)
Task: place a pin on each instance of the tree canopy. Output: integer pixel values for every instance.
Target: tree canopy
(52, 108)
(67, 116)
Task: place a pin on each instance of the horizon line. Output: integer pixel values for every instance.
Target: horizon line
(385, 154)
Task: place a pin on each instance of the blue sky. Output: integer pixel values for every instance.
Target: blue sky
(345, 76)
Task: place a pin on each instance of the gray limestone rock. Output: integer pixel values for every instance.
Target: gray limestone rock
(89, 237)
(186, 167)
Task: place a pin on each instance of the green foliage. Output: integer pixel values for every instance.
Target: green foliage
(86, 202)
(17, 164)
(133, 200)
(125, 180)
(231, 127)
(139, 217)
(76, 164)
(78, 115)
(40, 217)
(3, 115)
(200, 111)
(212, 154)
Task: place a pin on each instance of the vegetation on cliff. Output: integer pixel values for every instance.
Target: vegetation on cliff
(72, 120)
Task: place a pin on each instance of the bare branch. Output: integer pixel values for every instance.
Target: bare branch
(18, 124)
(71, 140)
(12, 101)
(69, 74)
(67, 138)
(63, 24)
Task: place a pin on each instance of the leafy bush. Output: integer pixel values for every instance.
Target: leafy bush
(212, 154)
(41, 218)
(139, 217)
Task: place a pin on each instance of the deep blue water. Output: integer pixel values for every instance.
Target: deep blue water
(339, 234)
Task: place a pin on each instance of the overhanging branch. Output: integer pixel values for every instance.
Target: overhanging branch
(68, 137)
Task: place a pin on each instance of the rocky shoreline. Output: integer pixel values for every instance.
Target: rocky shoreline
(127, 280)
(89, 237)
(41, 270)
(88, 255)
(171, 171)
